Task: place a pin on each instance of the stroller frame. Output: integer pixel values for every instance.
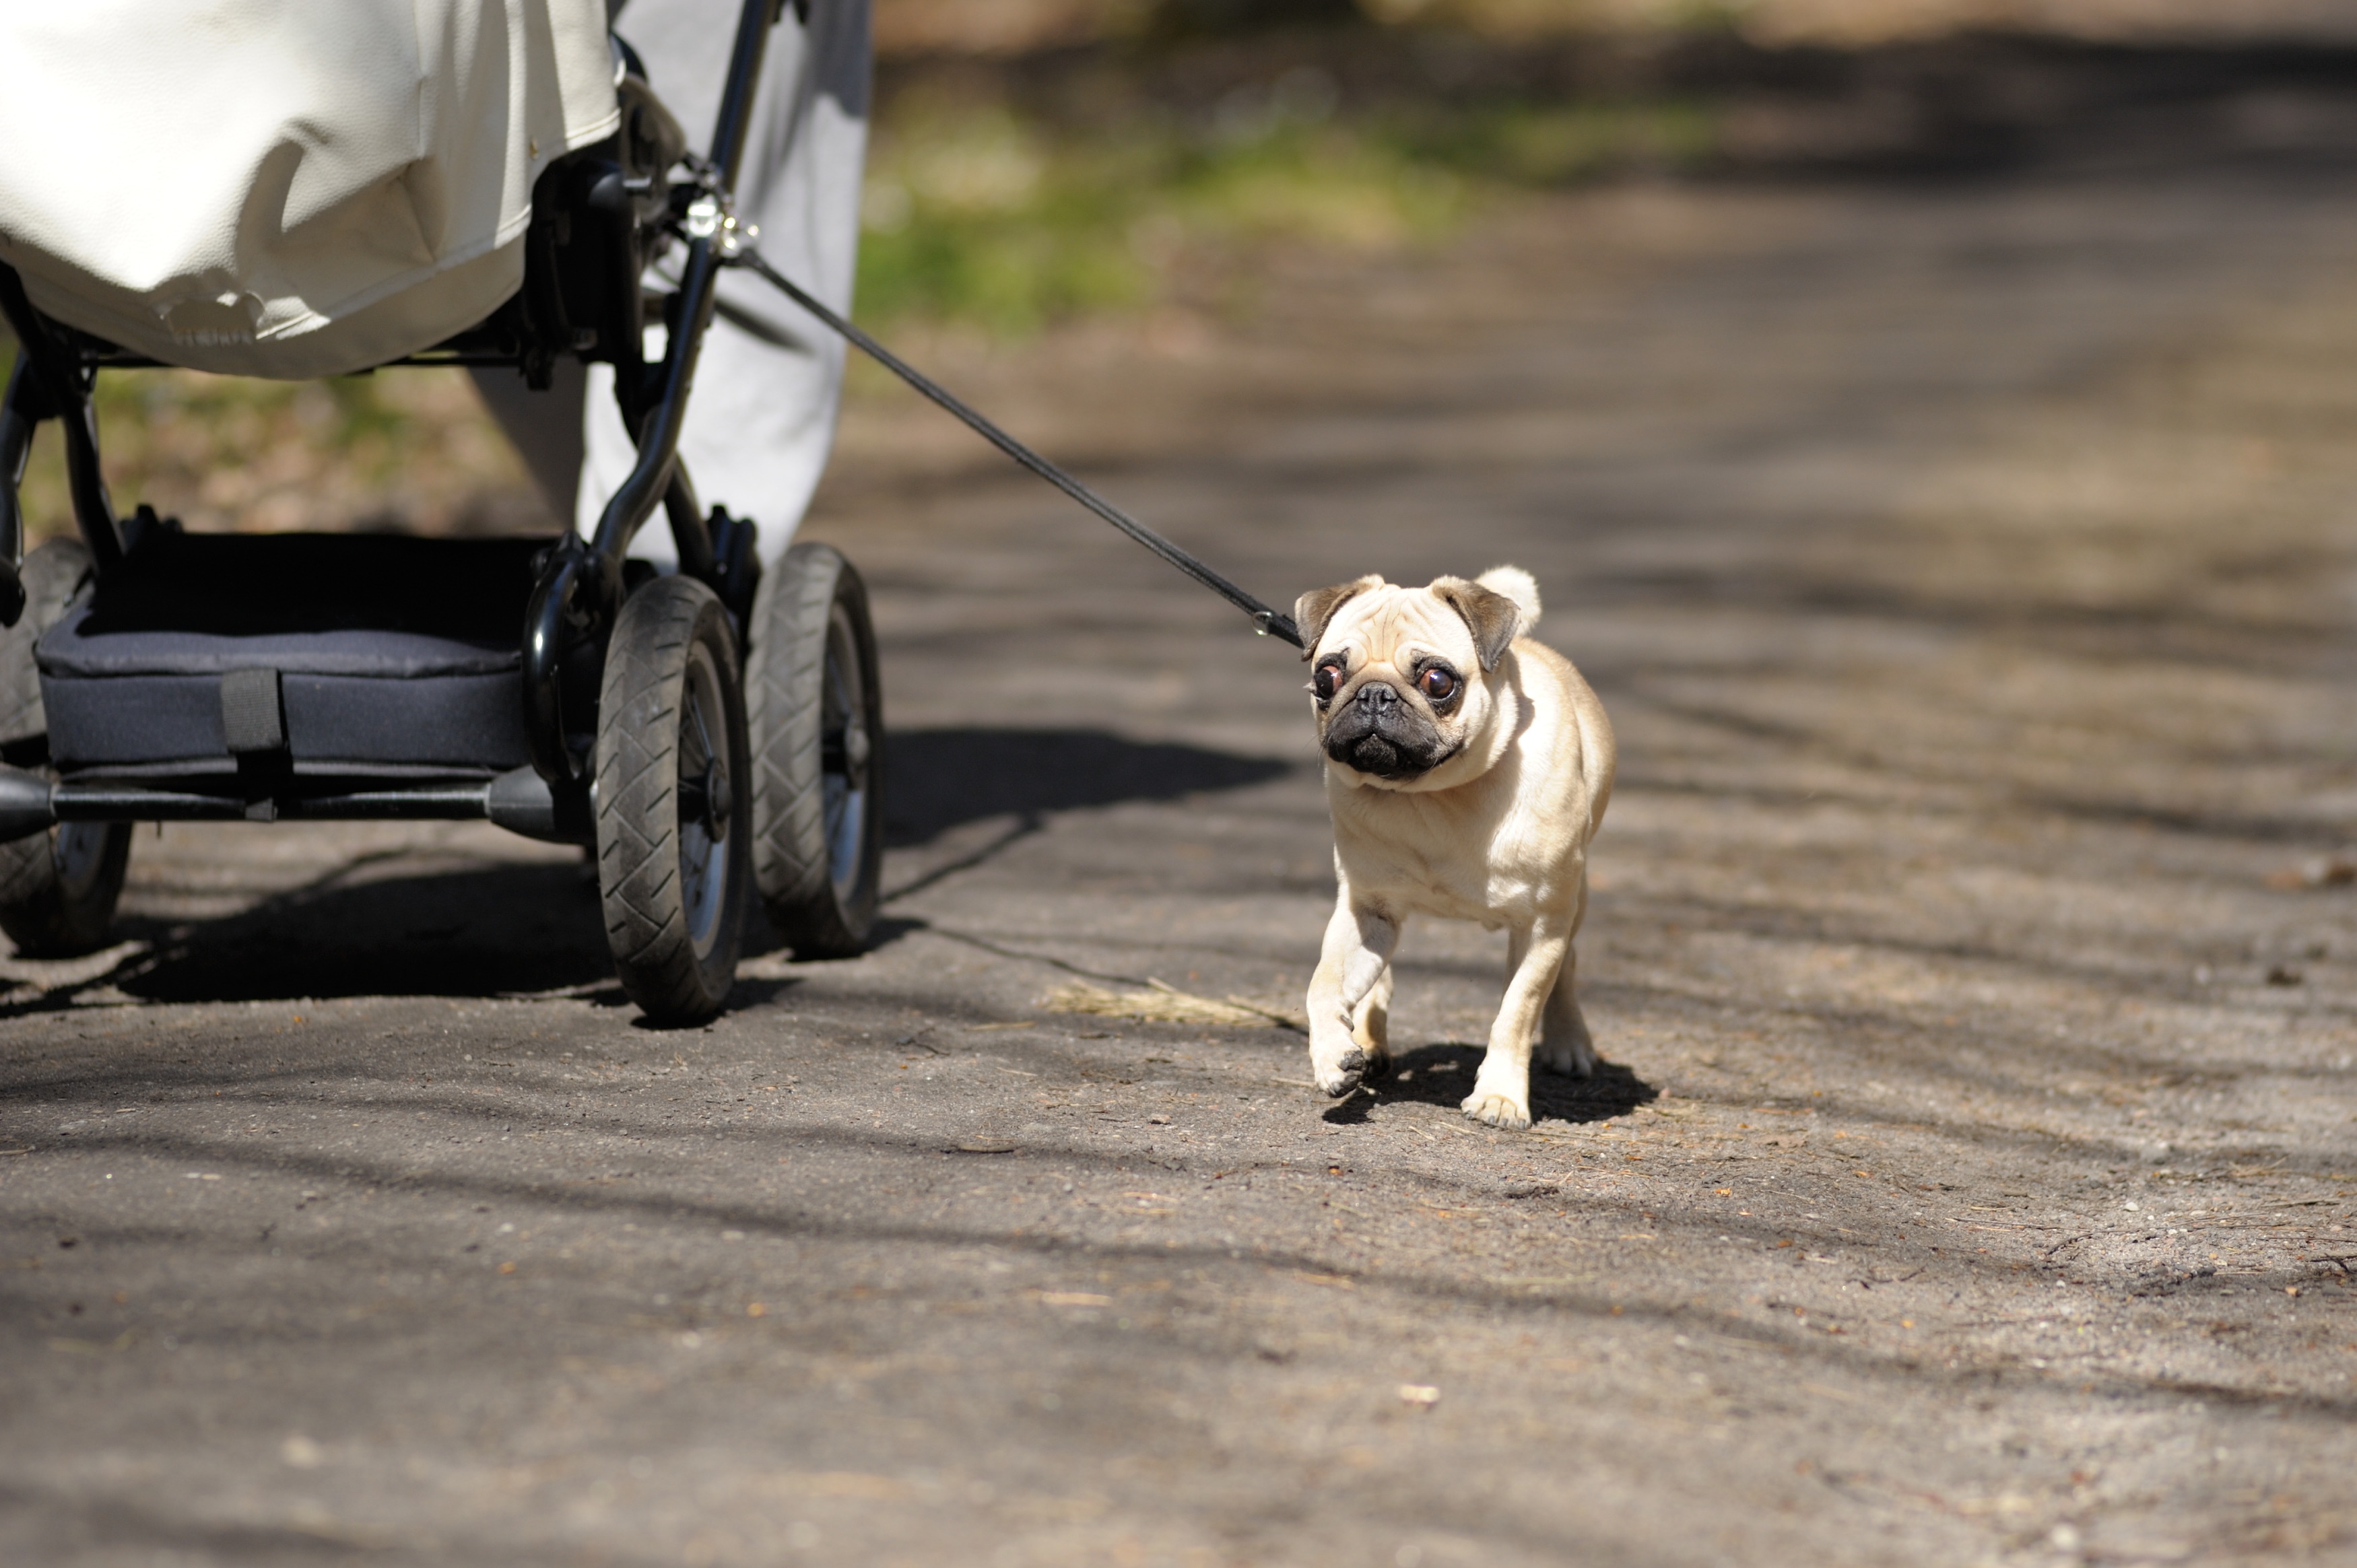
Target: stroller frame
(600, 215)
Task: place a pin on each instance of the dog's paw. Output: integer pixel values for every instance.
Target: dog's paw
(1498, 1110)
(1576, 1059)
(1378, 1066)
(1345, 1075)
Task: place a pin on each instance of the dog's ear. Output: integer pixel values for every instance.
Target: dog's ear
(1494, 620)
(1314, 610)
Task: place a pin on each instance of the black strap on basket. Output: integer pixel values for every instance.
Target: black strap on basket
(1271, 622)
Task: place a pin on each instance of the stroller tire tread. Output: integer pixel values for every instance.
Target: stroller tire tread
(651, 907)
(796, 858)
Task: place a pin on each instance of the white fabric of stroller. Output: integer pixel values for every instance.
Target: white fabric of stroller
(285, 188)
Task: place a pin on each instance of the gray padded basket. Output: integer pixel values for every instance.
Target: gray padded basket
(321, 654)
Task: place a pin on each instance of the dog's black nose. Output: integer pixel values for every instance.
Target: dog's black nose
(1375, 694)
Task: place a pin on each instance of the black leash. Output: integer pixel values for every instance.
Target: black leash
(1271, 622)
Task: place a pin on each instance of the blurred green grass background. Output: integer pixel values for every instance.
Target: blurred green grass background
(984, 215)
(979, 214)
(1040, 162)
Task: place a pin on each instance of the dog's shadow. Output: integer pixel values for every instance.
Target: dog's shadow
(1442, 1074)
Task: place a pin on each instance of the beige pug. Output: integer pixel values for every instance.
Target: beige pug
(1468, 767)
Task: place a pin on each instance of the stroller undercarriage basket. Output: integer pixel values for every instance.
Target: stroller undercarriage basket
(711, 734)
(225, 656)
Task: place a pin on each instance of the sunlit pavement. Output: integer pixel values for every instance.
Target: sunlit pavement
(1968, 570)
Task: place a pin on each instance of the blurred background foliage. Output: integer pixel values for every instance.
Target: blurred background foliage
(995, 214)
(1039, 161)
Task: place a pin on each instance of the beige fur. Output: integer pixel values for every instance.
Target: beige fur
(1494, 829)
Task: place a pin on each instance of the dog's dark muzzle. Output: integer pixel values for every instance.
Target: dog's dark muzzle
(1377, 733)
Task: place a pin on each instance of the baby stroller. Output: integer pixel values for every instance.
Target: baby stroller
(709, 733)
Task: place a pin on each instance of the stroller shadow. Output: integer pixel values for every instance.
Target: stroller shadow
(529, 929)
(1442, 1074)
(936, 779)
(493, 931)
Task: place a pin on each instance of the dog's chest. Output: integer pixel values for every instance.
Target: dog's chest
(1415, 854)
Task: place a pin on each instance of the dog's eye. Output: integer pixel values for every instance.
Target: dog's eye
(1439, 684)
(1328, 676)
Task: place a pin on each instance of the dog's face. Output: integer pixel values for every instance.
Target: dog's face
(1403, 677)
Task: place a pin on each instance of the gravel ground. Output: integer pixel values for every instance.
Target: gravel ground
(1969, 571)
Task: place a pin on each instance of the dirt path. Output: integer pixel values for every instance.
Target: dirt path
(1968, 572)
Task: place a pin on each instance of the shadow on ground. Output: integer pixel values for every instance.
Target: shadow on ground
(939, 779)
(477, 933)
(504, 930)
(1442, 1074)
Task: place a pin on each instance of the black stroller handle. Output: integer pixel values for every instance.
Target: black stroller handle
(579, 590)
(656, 424)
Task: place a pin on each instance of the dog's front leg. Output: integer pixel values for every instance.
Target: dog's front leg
(1359, 944)
(1501, 1090)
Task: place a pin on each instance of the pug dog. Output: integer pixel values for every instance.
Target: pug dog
(1468, 767)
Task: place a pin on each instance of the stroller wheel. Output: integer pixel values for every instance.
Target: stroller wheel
(57, 888)
(674, 817)
(817, 719)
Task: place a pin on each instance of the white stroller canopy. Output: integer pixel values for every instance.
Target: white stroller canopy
(285, 188)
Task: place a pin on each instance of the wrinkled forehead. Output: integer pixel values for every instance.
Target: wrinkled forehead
(1378, 625)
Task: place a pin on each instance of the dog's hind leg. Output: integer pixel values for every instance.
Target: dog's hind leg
(1371, 1027)
(1565, 1044)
